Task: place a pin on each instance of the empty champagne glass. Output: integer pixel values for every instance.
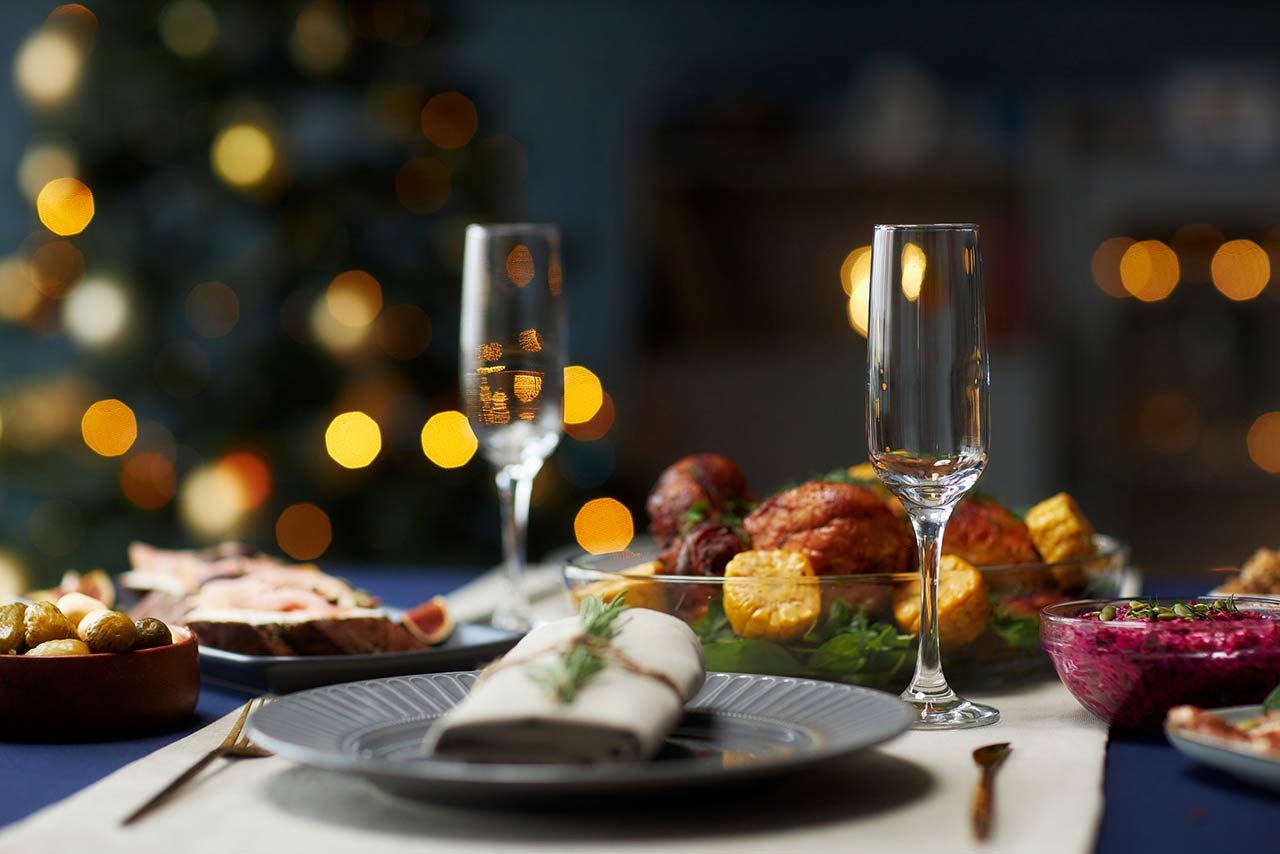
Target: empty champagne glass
(927, 385)
(513, 347)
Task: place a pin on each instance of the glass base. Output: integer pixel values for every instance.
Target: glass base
(952, 713)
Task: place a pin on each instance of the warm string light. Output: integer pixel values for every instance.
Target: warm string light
(448, 440)
(583, 395)
(603, 526)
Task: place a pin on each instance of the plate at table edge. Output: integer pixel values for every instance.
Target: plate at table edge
(359, 728)
(470, 645)
(1247, 765)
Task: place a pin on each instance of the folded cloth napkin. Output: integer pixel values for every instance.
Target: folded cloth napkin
(529, 706)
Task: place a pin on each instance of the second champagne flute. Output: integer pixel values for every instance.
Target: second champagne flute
(927, 418)
(513, 346)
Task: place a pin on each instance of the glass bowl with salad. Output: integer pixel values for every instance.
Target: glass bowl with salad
(1130, 661)
(819, 579)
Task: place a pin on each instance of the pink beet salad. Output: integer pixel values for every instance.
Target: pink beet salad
(1130, 662)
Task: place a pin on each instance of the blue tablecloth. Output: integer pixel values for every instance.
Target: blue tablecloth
(1156, 799)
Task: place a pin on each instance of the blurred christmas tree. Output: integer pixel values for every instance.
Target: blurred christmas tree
(236, 319)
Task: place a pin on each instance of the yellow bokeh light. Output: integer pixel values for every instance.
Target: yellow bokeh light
(1149, 270)
(189, 28)
(303, 531)
(354, 298)
(603, 526)
(598, 427)
(213, 309)
(252, 473)
(449, 120)
(1264, 442)
(96, 313)
(13, 575)
(320, 40)
(243, 155)
(353, 440)
(65, 206)
(212, 502)
(334, 336)
(43, 163)
(583, 395)
(859, 307)
(856, 268)
(448, 441)
(109, 428)
(1240, 269)
(913, 266)
(46, 69)
(520, 266)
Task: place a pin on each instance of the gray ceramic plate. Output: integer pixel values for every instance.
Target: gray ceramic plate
(738, 727)
(1248, 765)
(470, 645)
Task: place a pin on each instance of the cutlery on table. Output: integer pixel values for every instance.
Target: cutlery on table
(989, 759)
(235, 745)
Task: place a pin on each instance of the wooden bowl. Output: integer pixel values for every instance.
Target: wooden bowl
(89, 697)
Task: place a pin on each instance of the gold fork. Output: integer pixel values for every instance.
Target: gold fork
(234, 745)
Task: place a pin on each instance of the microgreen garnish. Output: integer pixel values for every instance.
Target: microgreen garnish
(1138, 609)
(585, 655)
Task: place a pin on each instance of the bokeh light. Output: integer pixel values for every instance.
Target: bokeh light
(42, 163)
(1195, 244)
(449, 120)
(148, 480)
(1169, 423)
(252, 473)
(354, 298)
(1240, 269)
(213, 309)
(96, 312)
(422, 185)
(47, 67)
(598, 426)
(55, 267)
(19, 293)
(1263, 442)
(189, 28)
(520, 266)
(320, 41)
(45, 413)
(109, 427)
(338, 338)
(403, 331)
(448, 441)
(603, 526)
(855, 269)
(353, 440)
(913, 267)
(1149, 270)
(65, 206)
(243, 155)
(212, 501)
(303, 531)
(14, 578)
(1106, 266)
(583, 395)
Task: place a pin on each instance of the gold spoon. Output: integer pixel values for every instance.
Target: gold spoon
(989, 759)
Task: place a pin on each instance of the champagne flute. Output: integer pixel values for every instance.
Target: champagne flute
(513, 346)
(927, 385)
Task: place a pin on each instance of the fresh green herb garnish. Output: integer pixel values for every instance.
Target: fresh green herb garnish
(585, 657)
(1272, 703)
(694, 516)
(1138, 609)
(1020, 631)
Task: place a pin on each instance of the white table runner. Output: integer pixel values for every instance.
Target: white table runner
(912, 794)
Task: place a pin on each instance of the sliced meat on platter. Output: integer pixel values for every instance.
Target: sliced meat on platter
(254, 604)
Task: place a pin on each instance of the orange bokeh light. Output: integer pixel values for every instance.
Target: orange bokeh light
(603, 526)
(109, 427)
(303, 531)
(148, 480)
(1240, 269)
(449, 120)
(65, 206)
(253, 474)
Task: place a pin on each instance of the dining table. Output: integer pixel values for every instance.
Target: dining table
(1154, 798)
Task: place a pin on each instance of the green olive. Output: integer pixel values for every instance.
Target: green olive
(151, 633)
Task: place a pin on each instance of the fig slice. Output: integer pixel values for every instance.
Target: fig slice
(429, 622)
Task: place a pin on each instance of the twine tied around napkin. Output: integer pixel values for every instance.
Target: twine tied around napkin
(585, 654)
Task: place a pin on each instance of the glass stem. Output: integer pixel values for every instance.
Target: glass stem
(929, 685)
(513, 611)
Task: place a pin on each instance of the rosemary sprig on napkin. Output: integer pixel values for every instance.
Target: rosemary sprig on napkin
(585, 657)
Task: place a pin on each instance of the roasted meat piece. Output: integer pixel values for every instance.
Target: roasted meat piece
(984, 533)
(843, 529)
(709, 484)
(706, 550)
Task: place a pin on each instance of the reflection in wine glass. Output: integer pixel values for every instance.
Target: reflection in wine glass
(513, 346)
(927, 419)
